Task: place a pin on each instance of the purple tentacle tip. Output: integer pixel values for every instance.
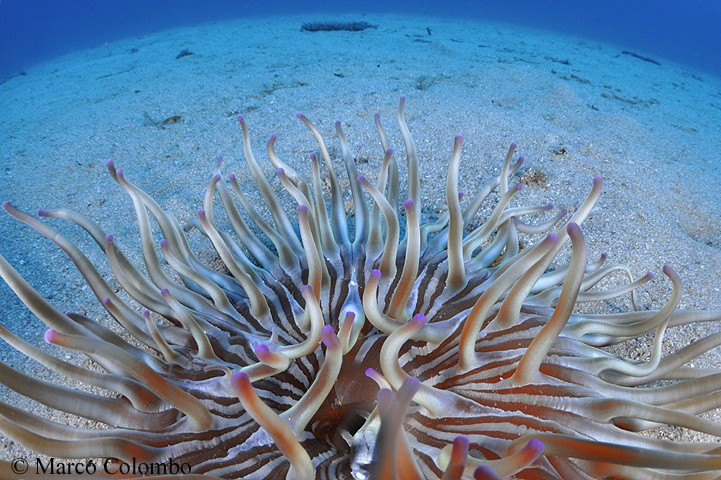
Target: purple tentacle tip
(273, 137)
(360, 178)
(329, 337)
(41, 213)
(237, 377)
(163, 243)
(302, 209)
(389, 151)
(377, 115)
(241, 119)
(409, 203)
(299, 115)
(484, 472)
(519, 187)
(109, 238)
(535, 444)
(419, 319)
(231, 176)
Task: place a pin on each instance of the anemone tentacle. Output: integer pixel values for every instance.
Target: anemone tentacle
(331, 348)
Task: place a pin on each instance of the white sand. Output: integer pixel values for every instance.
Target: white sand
(653, 132)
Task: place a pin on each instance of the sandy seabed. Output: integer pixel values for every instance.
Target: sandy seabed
(576, 108)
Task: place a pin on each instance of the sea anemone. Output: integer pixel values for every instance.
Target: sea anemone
(366, 345)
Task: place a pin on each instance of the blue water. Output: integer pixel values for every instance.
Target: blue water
(685, 31)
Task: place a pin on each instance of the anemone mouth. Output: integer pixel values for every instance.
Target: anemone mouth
(330, 347)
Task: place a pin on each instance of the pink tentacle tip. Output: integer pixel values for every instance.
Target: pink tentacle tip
(51, 336)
